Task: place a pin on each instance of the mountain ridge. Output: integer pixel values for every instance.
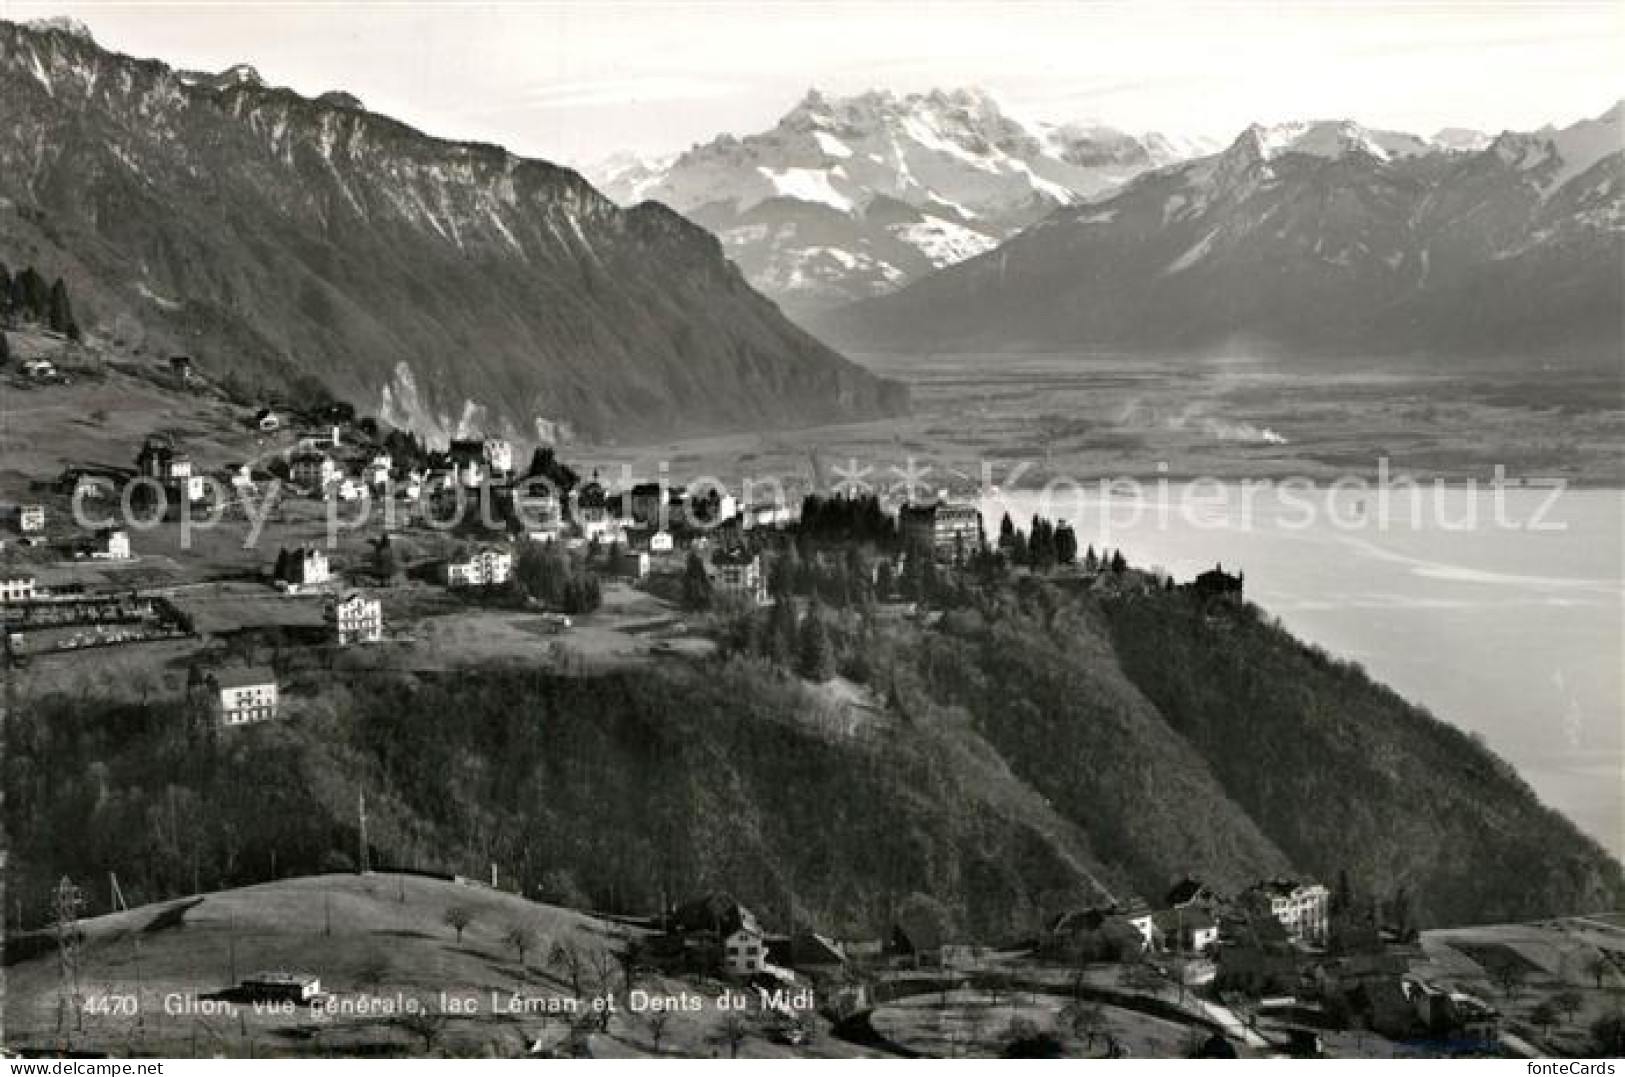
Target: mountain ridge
(450, 285)
(1321, 238)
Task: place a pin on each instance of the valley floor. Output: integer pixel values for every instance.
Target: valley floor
(1094, 417)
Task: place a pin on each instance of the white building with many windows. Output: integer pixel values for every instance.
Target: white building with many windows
(739, 572)
(244, 696)
(1303, 908)
(17, 588)
(356, 619)
(499, 455)
(486, 567)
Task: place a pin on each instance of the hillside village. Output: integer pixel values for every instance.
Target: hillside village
(241, 554)
(327, 530)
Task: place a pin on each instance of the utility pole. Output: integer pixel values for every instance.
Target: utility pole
(361, 809)
(140, 1019)
(66, 902)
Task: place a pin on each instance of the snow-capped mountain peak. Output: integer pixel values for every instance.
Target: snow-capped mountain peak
(1463, 139)
(848, 196)
(233, 76)
(1300, 238)
(62, 24)
(1329, 139)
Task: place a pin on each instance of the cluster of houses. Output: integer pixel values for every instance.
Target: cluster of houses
(247, 694)
(161, 461)
(354, 616)
(1272, 942)
(102, 544)
(716, 935)
(315, 468)
(1194, 919)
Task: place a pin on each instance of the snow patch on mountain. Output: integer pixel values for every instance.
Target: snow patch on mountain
(161, 302)
(944, 242)
(832, 145)
(808, 185)
(1192, 256)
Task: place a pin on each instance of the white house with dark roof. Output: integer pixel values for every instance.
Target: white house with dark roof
(744, 951)
(111, 544)
(244, 695)
(302, 567)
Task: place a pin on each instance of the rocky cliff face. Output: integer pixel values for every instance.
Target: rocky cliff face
(452, 285)
(1314, 237)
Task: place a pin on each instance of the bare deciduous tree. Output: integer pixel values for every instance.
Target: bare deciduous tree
(426, 1024)
(657, 1020)
(1568, 1003)
(458, 917)
(522, 937)
(733, 1032)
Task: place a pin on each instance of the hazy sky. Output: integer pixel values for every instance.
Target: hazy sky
(574, 81)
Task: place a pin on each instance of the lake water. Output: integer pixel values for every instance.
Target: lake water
(1501, 611)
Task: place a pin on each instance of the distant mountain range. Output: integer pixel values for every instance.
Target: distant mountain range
(452, 287)
(1319, 237)
(851, 197)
